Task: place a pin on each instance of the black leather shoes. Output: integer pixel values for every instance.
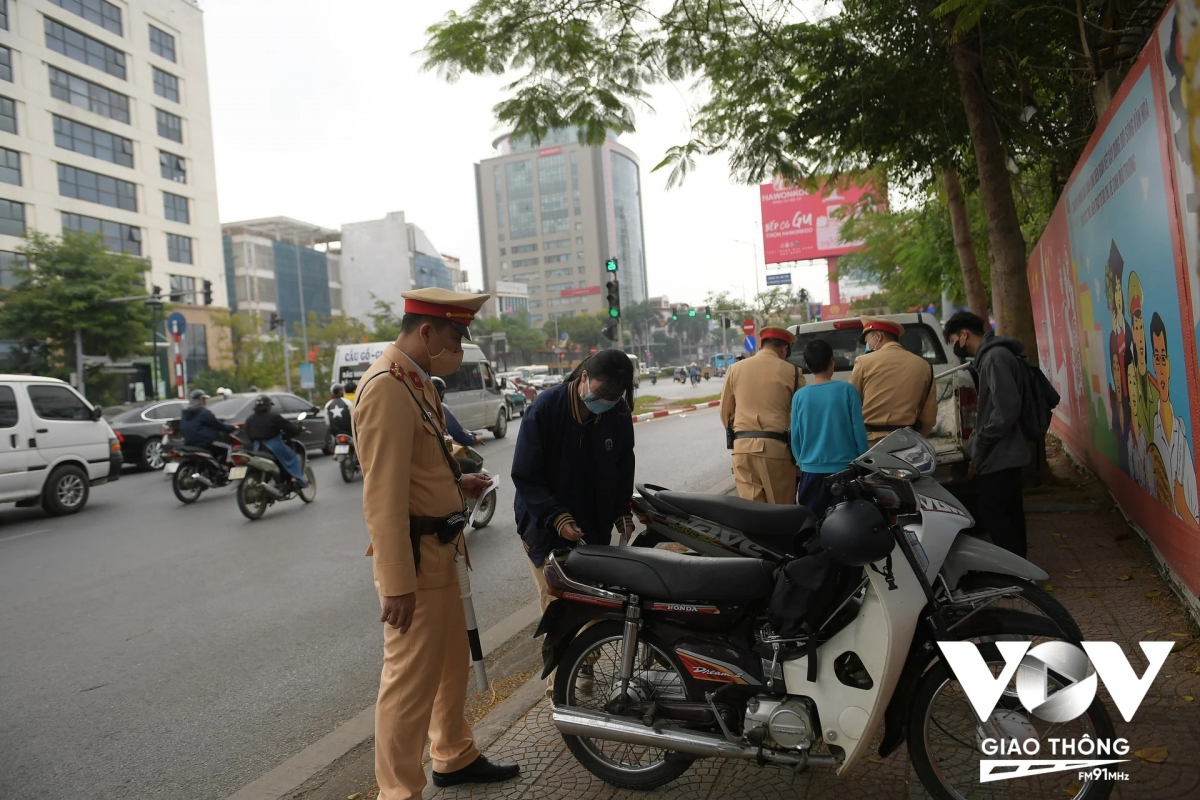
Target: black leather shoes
(478, 771)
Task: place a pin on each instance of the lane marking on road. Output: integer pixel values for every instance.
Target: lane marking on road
(283, 779)
(23, 535)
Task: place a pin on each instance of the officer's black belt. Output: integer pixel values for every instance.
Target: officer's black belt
(779, 437)
(446, 529)
(885, 428)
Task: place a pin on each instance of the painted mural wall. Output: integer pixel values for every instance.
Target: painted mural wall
(1116, 297)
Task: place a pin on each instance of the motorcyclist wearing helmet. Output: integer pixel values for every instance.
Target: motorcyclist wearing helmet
(453, 427)
(337, 410)
(266, 428)
(201, 428)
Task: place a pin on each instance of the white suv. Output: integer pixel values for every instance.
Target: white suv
(54, 445)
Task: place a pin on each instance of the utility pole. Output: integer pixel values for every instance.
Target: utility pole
(79, 383)
(287, 370)
(178, 361)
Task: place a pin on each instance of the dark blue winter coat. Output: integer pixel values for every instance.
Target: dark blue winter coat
(564, 466)
(200, 426)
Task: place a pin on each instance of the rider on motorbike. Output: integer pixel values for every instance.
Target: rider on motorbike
(201, 428)
(456, 430)
(337, 411)
(266, 428)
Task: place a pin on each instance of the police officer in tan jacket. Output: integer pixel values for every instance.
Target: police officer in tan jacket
(756, 407)
(413, 501)
(897, 386)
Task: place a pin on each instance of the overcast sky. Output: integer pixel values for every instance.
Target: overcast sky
(321, 112)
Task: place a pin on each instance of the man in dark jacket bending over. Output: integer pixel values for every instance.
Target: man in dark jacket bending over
(998, 448)
(201, 428)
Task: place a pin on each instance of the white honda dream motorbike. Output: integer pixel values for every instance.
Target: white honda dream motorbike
(664, 658)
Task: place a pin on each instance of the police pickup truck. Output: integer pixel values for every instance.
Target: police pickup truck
(957, 401)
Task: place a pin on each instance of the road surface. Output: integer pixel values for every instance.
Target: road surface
(155, 650)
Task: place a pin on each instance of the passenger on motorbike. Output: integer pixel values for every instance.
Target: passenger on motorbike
(455, 428)
(337, 410)
(201, 428)
(266, 428)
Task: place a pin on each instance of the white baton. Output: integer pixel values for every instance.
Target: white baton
(464, 589)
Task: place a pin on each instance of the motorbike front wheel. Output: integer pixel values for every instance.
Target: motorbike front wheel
(944, 736)
(349, 467)
(309, 493)
(252, 499)
(185, 485)
(589, 677)
(1031, 598)
(486, 511)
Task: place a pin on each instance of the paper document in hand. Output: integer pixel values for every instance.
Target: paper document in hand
(491, 487)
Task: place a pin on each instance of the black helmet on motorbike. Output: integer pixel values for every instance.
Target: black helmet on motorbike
(440, 385)
(856, 534)
(263, 401)
(337, 390)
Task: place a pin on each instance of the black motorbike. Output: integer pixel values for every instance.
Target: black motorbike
(346, 456)
(264, 481)
(193, 470)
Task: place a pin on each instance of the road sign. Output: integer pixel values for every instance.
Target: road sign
(748, 327)
(750, 344)
(593, 350)
(565, 336)
(779, 279)
(306, 376)
(176, 323)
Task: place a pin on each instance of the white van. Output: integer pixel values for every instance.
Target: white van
(472, 393)
(54, 445)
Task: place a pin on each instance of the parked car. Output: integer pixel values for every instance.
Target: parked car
(513, 397)
(957, 400)
(237, 408)
(140, 428)
(54, 445)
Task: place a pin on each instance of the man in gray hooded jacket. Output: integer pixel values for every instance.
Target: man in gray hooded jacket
(998, 447)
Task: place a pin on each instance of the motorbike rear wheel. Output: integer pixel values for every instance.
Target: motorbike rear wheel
(349, 467)
(185, 486)
(309, 493)
(252, 499)
(658, 675)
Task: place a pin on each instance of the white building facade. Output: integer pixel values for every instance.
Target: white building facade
(376, 264)
(105, 128)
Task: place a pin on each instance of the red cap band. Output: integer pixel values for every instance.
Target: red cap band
(885, 326)
(457, 314)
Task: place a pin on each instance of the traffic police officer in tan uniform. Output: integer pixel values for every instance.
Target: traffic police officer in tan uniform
(413, 501)
(897, 386)
(756, 410)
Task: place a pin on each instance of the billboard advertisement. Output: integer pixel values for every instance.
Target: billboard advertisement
(1114, 303)
(799, 225)
(582, 291)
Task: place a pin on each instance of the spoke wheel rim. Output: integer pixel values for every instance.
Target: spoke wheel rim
(70, 490)
(154, 456)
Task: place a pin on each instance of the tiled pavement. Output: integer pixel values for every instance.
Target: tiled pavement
(1099, 569)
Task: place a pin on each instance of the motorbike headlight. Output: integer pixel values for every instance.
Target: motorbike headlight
(921, 455)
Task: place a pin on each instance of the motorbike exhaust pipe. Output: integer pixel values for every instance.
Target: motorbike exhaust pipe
(573, 721)
(271, 490)
(196, 476)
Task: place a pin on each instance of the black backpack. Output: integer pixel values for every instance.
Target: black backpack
(1038, 401)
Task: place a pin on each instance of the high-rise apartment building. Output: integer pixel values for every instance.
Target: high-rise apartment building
(551, 215)
(105, 128)
(283, 266)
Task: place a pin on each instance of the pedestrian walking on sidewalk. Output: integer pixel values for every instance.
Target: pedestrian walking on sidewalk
(827, 427)
(413, 501)
(756, 408)
(573, 464)
(896, 386)
(998, 448)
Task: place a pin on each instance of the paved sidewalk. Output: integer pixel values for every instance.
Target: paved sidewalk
(1101, 571)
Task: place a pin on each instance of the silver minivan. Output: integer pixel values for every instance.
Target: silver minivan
(473, 394)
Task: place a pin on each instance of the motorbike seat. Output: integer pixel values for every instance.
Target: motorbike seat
(192, 449)
(780, 529)
(663, 575)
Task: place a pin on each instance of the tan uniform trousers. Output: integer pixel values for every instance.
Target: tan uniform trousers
(766, 480)
(423, 688)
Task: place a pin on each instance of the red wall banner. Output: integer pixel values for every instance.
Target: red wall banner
(582, 291)
(798, 225)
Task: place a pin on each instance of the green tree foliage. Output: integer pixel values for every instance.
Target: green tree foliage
(384, 321)
(523, 340)
(325, 335)
(67, 286)
(583, 330)
(257, 355)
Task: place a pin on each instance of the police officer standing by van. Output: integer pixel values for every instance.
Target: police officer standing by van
(897, 386)
(413, 501)
(756, 410)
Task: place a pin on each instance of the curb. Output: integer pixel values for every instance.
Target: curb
(291, 774)
(673, 411)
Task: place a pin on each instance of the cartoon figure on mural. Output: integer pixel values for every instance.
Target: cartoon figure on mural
(1119, 401)
(1169, 435)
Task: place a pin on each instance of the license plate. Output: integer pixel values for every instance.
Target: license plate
(171, 468)
(341, 449)
(237, 473)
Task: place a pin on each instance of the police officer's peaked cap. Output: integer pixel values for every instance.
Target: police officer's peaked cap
(454, 307)
(777, 333)
(882, 325)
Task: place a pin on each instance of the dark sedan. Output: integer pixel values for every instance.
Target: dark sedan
(139, 426)
(237, 408)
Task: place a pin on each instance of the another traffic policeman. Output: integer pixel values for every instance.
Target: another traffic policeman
(413, 501)
(897, 386)
(756, 407)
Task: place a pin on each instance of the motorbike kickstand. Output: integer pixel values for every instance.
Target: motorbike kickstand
(708, 697)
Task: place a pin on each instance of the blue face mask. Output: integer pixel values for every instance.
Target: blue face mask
(597, 405)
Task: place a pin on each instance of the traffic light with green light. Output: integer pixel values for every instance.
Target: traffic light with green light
(674, 314)
(691, 312)
(610, 265)
(707, 312)
(614, 296)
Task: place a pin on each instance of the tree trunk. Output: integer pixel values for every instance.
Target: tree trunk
(1010, 289)
(960, 224)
